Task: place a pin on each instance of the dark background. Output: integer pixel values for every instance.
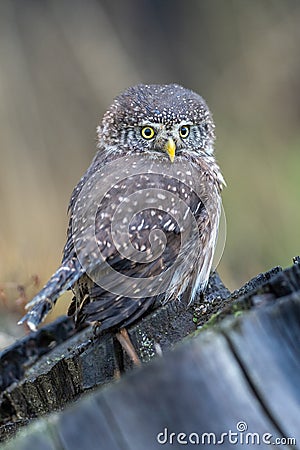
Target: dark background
(62, 62)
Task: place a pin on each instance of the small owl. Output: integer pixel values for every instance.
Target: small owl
(144, 217)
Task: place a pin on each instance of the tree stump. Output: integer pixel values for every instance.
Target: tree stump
(236, 371)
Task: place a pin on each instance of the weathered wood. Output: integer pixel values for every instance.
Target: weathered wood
(25, 352)
(246, 368)
(53, 366)
(267, 347)
(200, 387)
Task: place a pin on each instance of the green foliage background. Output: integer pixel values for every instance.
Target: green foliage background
(62, 62)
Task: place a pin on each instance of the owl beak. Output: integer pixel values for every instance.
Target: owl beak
(170, 148)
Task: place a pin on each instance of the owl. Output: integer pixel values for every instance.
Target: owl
(144, 218)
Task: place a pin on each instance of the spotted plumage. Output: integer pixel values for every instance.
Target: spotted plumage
(171, 130)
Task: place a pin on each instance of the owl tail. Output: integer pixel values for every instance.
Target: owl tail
(44, 301)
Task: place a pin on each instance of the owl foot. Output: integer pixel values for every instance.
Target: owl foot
(124, 339)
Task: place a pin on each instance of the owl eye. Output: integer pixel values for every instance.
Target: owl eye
(184, 131)
(147, 132)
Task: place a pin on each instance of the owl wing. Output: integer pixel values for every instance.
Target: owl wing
(125, 296)
(81, 256)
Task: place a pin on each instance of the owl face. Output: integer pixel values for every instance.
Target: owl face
(166, 120)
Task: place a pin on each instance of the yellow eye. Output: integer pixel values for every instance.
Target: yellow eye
(147, 132)
(184, 131)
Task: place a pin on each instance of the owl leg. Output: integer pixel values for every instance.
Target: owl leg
(127, 346)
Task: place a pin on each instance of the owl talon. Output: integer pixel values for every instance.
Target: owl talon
(124, 339)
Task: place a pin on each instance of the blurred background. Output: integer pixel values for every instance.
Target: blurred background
(61, 64)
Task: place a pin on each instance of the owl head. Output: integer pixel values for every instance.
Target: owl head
(166, 120)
